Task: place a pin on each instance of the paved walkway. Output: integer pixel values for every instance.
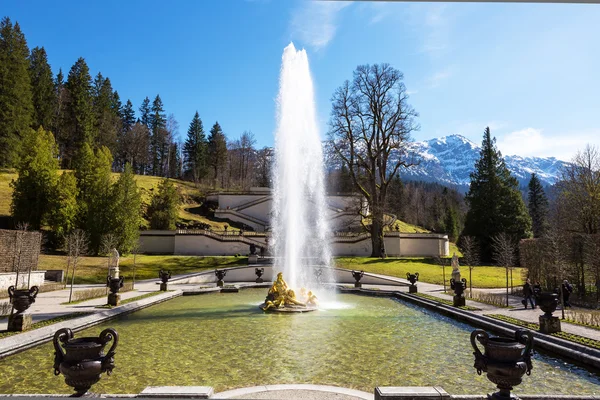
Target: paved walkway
(49, 305)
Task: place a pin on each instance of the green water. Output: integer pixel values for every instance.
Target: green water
(225, 341)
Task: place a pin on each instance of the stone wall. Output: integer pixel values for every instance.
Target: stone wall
(397, 245)
(9, 278)
(19, 250)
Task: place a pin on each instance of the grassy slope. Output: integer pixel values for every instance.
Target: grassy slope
(190, 195)
(6, 191)
(483, 277)
(94, 269)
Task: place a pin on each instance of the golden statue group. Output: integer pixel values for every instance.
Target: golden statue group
(282, 298)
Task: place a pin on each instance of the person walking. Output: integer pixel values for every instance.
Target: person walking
(528, 294)
(567, 289)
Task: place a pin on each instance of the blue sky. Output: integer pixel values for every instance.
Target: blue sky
(529, 71)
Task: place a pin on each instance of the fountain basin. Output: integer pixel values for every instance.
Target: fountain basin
(227, 342)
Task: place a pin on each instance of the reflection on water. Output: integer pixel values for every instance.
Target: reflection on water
(225, 341)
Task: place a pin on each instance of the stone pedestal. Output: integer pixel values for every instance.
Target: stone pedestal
(252, 259)
(163, 287)
(549, 324)
(357, 284)
(459, 301)
(410, 393)
(114, 299)
(19, 322)
(412, 289)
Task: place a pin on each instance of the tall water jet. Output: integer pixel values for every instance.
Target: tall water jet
(300, 231)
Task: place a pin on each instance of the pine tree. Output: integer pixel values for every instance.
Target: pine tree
(217, 150)
(127, 115)
(37, 168)
(162, 211)
(58, 120)
(63, 209)
(16, 104)
(145, 112)
(195, 150)
(127, 217)
(158, 141)
(79, 111)
(495, 202)
(106, 114)
(538, 206)
(451, 224)
(96, 210)
(42, 88)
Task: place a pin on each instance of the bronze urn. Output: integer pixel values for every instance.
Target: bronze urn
(22, 299)
(412, 278)
(114, 284)
(259, 273)
(548, 302)
(220, 273)
(504, 360)
(357, 277)
(458, 286)
(82, 361)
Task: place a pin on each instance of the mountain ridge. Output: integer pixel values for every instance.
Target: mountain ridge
(449, 160)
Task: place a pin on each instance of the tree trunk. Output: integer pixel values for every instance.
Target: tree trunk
(377, 241)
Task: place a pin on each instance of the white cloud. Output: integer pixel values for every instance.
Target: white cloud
(314, 23)
(434, 19)
(534, 142)
(436, 79)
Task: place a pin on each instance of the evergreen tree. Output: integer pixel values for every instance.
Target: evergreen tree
(127, 203)
(79, 111)
(162, 211)
(96, 210)
(106, 113)
(16, 104)
(195, 150)
(145, 112)
(538, 206)
(217, 150)
(58, 120)
(63, 208)
(37, 168)
(42, 88)
(127, 115)
(495, 202)
(451, 224)
(158, 140)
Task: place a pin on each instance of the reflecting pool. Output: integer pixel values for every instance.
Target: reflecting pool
(225, 341)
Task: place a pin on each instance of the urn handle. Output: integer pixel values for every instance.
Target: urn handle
(408, 275)
(33, 292)
(523, 335)
(64, 335)
(11, 292)
(106, 336)
(417, 275)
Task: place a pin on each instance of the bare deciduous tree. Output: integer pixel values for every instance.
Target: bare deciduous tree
(77, 243)
(470, 252)
(580, 184)
(370, 126)
(503, 248)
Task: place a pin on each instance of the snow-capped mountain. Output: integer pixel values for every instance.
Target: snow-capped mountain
(449, 160)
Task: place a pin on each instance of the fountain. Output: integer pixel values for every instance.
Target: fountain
(299, 219)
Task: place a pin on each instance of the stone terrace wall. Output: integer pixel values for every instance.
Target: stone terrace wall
(19, 249)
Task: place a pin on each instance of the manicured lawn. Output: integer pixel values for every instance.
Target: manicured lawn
(94, 269)
(6, 191)
(483, 277)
